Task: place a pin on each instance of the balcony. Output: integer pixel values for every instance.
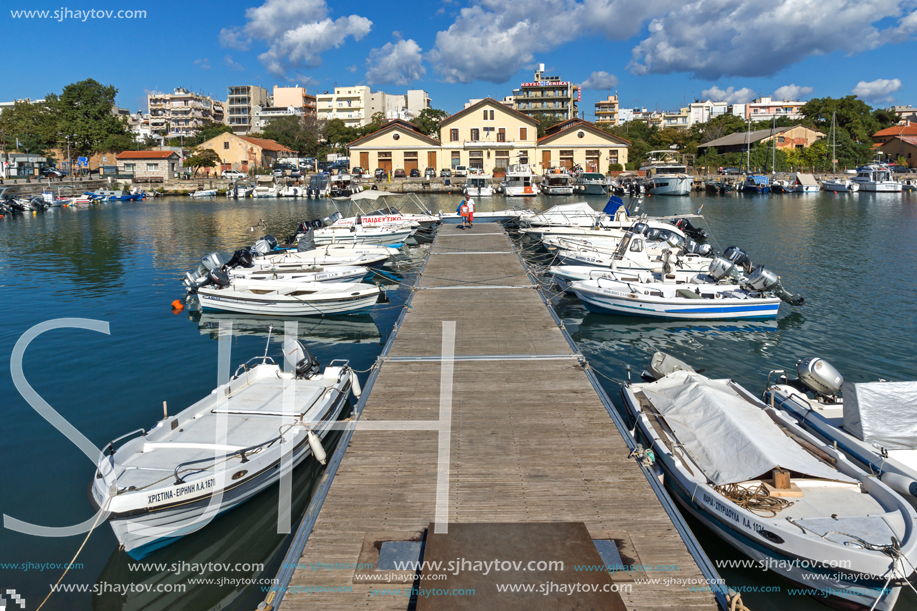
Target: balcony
(488, 143)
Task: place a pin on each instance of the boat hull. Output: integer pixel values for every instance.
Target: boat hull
(213, 301)
(606, 301)
(674, 185)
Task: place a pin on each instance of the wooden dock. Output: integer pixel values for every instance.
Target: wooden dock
(524, 437)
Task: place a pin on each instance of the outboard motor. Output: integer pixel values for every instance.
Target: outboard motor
(819, 376)
(218, 277)
(690, 230)
(271, 240)
(738, 256)
(705, 250)
(212, 261)
(721, 268)
(241, 258)
(763, 279)
(306, 241)
(652, 234)
(298, 357)
(690, 246)
(261, 247)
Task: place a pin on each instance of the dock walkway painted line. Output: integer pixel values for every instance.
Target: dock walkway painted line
(527, 439)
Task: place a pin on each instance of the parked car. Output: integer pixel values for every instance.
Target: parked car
(380, 174)
(399, 173)
(358, 171)
(415, 173)
(295, 173)
(460, 170)
(731, 172)
(233, 174)
(445, 173)
(307, 166)
(900, 169)
(429, 173)
(284, 169)
(51, 173)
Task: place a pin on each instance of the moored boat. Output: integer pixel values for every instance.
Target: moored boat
(277, 298)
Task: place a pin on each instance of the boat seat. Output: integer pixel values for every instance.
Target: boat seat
(687, 294)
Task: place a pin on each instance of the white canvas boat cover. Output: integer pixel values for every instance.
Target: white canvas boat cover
(883, 414)
(566, 213)
(369, 194)
(807, 180)
(730, 439)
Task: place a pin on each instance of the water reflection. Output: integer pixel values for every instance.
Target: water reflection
(352, 329)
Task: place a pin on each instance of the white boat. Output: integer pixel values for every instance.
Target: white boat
(392, 212)
(319, 186)
(876, 178)
(221, 451)
(557, 181)
(275, 298)
(478, 186)
(292, 191)
(240, 190)
(665, 176)
(204, 193)
(394, 233)
(874, 423)
(841, 185)
(671, 300)
(590, 183)
(579, 214)
(344, 185)
(520, 181)
(775, 492)
(305, 274)
(263, 191)
(805, 183)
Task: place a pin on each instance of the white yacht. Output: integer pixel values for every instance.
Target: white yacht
(557, 181)
(665, 176)
(479, 186)
(520, 181)
(876, 178)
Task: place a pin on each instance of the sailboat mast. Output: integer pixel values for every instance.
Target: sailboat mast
(834, 142)
(774, 147)
(748, 147)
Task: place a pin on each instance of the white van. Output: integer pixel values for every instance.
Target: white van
(460, 170)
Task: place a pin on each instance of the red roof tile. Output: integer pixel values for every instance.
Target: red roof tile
(146, 154)
(268, 145)
(897, 130)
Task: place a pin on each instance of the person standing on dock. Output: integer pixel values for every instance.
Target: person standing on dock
(463, 211)
(470, 203)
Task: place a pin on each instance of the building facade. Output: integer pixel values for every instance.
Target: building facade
(296, 97)
(350, 104)
(547, 95)
(606, 111)
(490, 136)
(900, 147)
(240, 107)
(890, 133)
(244, 153)
(766, 109)
(576, 142)
(182, 112)
(797, 136)
(149, 165)
(701, 112)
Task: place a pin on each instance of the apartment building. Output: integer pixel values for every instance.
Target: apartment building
(547, 95)
(350, 104)
(701, 112)
(182, 112)
(240, 106)
(765, 109)
(297, 97)
(606, 111)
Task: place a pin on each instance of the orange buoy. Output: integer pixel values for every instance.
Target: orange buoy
(177, 306)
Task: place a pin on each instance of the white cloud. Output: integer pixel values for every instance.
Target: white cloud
(792, 92)
(397, 34)
(600, 80)
(234, 38)
(233, 65)
(297, 32)
(352, 68)
(879, 90)
(400, 63)
(729, 95)
(203, 64)
(492, 39)
(303, 80)
(713, 38)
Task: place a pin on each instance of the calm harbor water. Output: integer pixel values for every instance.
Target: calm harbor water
(852, 257)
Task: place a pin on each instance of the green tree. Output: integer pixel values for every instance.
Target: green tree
(31, 123)
(118, 143)
(83, 111)
(202, 158)
(428, 121)
(337, 135)
(545, 122)
(211, 130)
(298, 133)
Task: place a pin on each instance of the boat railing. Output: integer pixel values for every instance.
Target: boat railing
(243, 453)
(111, 444)
(244, 366)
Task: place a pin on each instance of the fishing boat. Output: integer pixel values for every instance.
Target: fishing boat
(277, 298)
(805, 183)
(772, 490)
(116, 195)
(394, 210)
(557, 181)
(318, 186)
(520, 181)
(671, 300)
(756, 183)
(665, 176)
(305, 274)
(292, 191)
(240, 190)
(876, 178)
(478, 186)
(221, 451)
(204, 193)
(266, 190)
(344, 185)
(872, 423)
(590, 183)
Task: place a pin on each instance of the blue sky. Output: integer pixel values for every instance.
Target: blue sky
(654, 53)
